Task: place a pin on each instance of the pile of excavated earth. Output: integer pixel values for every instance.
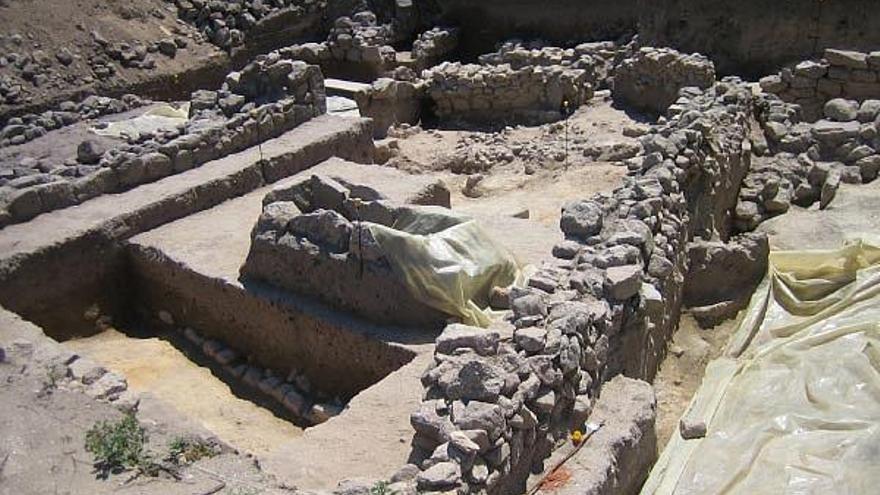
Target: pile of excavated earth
(323, 247)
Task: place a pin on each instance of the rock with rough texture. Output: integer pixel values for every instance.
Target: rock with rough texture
(458, 336)
(89, 152)
(842, 110)
(440, 476)
(581, 219)
(719, 271)
(623, 282)
(691, 428)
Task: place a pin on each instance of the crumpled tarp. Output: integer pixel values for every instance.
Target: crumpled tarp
(159, 118)
(446, 260)
(793, 406)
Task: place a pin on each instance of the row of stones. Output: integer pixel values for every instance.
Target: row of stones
(226, 22)
(840, 73)
(124, 168)
(360, 39)
(293, 391)
(494, 409)
(809, 160)
(465, 91)
(70, 371)
(597, 58)
(19, 130)
(222, 122)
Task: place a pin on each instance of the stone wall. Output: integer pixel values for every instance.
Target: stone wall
(357, 47)
(434, 46)
(262, 101)
(839, 74)
(389, 102)
(313, 239)
(651, 79)
(496, 407)
(598, 59)
(500, 94)
(30, 126)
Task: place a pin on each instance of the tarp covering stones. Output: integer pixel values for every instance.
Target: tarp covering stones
(793, 406)
(446, 260)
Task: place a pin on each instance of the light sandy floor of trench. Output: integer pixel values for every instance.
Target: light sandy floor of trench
(155, 366)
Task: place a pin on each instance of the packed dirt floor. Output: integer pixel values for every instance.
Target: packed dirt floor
(154, 365)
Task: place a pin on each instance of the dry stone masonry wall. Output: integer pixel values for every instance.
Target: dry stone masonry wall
(599, 59)
(313, 239)
(495, 408)
(267, 98)
(650, 80)
(839, 74)
(500, 94)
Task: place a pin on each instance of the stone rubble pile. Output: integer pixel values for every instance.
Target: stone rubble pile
(313, 239)
(222, 122)
(495, 408)
(226, 22)
(839, 74)
(809, 160)
(651, 79)
(134, 54)
(499, 94)
(270, 77)
(292, 390)
(19, 130)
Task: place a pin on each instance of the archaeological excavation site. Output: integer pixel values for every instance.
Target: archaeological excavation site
(376, 247)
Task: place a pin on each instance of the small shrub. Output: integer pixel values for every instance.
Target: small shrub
(381, 488)
(119, 445)
(186, 450)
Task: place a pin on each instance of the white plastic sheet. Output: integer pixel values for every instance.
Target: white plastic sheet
(162, 117)
(794, 405)
(446, 260)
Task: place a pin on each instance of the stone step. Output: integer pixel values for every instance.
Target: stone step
(342, 87)
(57, 253)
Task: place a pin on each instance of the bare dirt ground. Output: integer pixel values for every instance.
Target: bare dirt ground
(155, 366)
(43, 424)
(682, 371)
(46, 27)
(534, 187)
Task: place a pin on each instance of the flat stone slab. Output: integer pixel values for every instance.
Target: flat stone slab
(341, 87)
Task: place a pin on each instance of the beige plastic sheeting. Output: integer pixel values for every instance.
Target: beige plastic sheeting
(793, 407)
(158, 118)
(446, 260)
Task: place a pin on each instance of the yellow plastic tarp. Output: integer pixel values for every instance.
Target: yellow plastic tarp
(159, 118)
(793, 407)
(447, 260)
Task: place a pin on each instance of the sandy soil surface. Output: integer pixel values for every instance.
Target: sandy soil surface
(682, 371)
(154, 365)
(532, 188)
